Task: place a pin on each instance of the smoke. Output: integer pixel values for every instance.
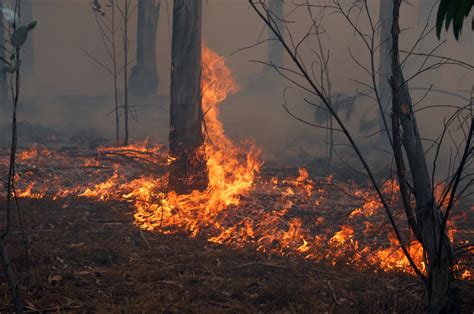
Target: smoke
(70, 93)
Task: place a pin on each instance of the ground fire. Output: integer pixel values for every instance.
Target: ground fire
(290, 215)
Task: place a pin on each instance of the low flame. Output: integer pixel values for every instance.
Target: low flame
(239, 207)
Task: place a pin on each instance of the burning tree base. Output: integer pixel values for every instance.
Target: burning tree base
(188, 171)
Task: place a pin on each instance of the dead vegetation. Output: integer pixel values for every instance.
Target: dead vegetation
(88, 256)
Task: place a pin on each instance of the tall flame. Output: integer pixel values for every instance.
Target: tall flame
(231, 168)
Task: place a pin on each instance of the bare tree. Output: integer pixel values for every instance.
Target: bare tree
(144, 77)
(108, 28)
(426, 219)
(186, 138)
(125, 12)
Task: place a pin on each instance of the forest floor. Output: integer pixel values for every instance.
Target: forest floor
(88, 256)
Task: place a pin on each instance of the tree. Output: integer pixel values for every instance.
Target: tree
(125, 13)
(108, 29)
(426, 219)
(186, 139)
(144, 77)
(426, 216)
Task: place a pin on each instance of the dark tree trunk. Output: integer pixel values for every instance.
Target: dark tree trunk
(188, 170)
(275, 48)
(144, 76)
(3, 74)
(28, 52)
(442, 294)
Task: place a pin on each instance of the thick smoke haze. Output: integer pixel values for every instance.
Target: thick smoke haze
(71, 93)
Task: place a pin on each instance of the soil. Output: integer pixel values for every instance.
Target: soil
(90, 257)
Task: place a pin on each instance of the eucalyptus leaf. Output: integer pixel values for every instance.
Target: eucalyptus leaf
(19, 36)
(31, 26)
(453, 12)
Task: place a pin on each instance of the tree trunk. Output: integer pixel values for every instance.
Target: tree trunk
(27, 51)
(275, 49)
(3, 74)
(442, 294)
(126, 14)
(144, 76)
(188, 170)
(384, 68)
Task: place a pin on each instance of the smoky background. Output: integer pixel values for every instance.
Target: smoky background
(68, 93)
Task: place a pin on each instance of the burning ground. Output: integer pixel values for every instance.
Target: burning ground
(102, 225)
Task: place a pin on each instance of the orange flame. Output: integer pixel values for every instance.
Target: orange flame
(228, 211)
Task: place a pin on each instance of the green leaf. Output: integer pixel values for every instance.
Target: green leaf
(19, 36)
(452, 12)
(443, 7)
(31, 26)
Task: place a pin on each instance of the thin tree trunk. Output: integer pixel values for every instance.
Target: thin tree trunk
(442, 295)
(144, 77)
(125, 69)
(275, 49)
(188, 170)
(114, 70)
(3, 74)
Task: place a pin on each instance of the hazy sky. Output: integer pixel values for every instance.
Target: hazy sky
(67, 28)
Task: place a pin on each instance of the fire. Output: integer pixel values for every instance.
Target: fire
(103, 190)
(232, 169)
(28, 192)
(291, 216)
(343, 236)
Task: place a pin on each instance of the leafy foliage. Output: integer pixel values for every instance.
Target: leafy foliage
(453, 11)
